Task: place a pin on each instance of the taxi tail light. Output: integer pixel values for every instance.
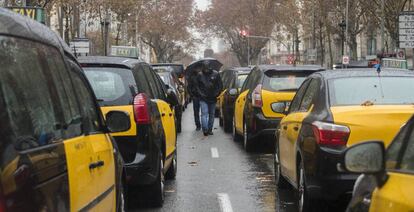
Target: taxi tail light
(141, 110)
(257, 96)
(330, 134)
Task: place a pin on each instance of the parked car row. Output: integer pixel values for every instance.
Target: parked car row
(327, 128)
(78, 134)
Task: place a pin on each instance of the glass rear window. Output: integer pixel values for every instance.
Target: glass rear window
(371, 90)
(112, 86)
(283, 81)
(240, 80)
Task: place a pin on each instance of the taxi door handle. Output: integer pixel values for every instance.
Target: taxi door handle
(96, 164)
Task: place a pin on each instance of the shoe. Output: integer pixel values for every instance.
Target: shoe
(205, 133)
(198, 128)
(210, 133)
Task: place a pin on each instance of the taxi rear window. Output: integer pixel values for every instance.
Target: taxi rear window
(112, 86)
(371, 90)
(283, 81)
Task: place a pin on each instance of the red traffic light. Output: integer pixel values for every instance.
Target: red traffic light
(244, 33)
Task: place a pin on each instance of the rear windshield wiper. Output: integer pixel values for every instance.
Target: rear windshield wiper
(290, 89)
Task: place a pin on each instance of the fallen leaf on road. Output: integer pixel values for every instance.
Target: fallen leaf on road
(193, 163)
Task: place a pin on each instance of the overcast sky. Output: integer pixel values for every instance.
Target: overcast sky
(203, 5)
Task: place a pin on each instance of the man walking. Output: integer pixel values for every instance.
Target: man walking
(193, 91)
(209, 86)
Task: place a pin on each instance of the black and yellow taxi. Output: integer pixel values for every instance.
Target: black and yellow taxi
(149, 146)
(233, 79)
(332, 111)
(264, 96)
(388, 180)
(56, 150)
(172, 82)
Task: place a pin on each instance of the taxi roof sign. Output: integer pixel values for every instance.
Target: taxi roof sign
(35, 13)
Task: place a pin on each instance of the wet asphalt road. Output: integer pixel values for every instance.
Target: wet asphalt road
(216, 174)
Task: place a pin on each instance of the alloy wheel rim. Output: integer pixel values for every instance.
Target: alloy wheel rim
(234, 128)
(245, 135)
(277, 166)
(301, 190)
(162, 179)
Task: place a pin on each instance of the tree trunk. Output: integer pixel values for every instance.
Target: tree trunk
(353, 46)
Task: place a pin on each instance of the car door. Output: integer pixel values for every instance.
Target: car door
(286, 135)
(166, 112)
(397, 192)
(240, 102)
(101, 161)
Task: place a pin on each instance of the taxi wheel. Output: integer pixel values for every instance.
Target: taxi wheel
(227, 125)
(236, 137)
(121, 199)
(157, 189)
(303, 200)
(280, 181)
(247, 142)
(172, 170)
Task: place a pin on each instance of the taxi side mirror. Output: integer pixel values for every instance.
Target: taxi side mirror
(117, 121)
(172, 98)
(233, 92)
(365, 158)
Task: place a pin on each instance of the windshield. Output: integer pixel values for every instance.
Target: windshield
(112, 86)
(371, 90)
(240, 80)
(283, 81)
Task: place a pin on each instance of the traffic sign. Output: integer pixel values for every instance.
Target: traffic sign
(406, 29)
(345, 60)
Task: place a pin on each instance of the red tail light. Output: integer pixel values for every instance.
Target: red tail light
(330, 134)
(257, 96)
(141, 110)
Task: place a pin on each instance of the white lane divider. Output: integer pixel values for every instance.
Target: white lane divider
(214, 152)
(225, 204)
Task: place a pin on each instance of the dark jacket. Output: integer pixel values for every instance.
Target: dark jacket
(209, 86)
(192, 84)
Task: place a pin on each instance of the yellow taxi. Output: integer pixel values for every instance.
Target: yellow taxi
(390, 172)
(332, 111)
(149, 146)
(56, 151)
(263, 98)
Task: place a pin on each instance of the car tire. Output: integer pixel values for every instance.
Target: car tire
(280, 181)
(304, 203)
(247, 142)
(236, 137)
(172, 170)
(227, 125)
(121, 206)
(157, 188)
(179, 127)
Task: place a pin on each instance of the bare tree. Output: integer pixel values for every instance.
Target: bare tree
(226, 19)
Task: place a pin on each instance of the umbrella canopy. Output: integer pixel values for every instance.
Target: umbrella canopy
(213, 63)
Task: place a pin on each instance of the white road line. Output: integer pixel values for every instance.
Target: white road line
(225, 204)
(214, 152)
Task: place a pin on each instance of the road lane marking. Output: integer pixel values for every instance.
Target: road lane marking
(214, 152)
(225, 204)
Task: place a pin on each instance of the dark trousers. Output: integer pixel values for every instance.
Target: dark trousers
(196, 108)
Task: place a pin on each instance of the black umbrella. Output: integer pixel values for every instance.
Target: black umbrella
(213, 63)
